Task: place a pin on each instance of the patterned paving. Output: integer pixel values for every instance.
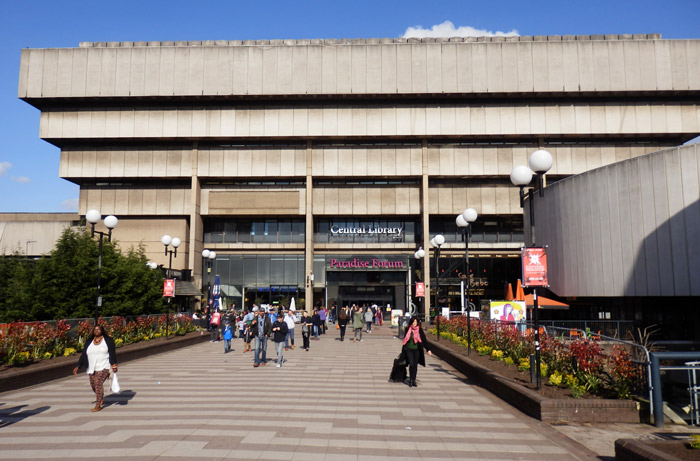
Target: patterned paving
(331, 403)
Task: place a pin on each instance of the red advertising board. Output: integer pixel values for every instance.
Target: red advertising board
(535, 267)
(420, 290)
(169, 288)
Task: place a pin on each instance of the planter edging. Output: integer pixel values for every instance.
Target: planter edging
(533, 404)
(21, 378)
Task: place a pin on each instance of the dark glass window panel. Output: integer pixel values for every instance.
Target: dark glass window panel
(291, 270)
(298, 231)
(250, 270)
(257, 232)
(244, 229)
(236, 267)
(277, 270)
(263, 270)
(271, 231)
(284, 232)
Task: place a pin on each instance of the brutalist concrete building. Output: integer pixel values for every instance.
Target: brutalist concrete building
(320, 166)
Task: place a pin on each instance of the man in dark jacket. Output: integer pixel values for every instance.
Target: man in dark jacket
(263, 328)
(279, 330)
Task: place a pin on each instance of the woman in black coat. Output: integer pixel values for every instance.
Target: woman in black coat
(414, 342)
(99, 355)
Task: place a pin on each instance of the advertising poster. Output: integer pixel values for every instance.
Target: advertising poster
(169, 288)
(534, 267)
(508, 311)
(420, 290)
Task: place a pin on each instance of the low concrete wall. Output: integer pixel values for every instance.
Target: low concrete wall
(533, 404)
(637, 450)
(61, 367)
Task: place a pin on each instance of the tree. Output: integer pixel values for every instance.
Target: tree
(64, 284)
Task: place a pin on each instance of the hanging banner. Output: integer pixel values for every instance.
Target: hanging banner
(420, 290)
(534, 267)
(169, 288)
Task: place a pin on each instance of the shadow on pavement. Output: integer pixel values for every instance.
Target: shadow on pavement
(12, 415)
(119, 399)
(439, 368)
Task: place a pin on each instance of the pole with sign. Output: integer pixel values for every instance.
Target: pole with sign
(534, 260)
(169, 288)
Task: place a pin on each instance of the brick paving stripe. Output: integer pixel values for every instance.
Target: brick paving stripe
(331, 403)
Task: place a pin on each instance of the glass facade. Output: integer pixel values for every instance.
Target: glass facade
(487, 229)
(254, 231)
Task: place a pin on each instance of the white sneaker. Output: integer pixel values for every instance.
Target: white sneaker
(278, 365)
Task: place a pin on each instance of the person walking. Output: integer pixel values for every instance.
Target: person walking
(248, 336)
(279, 330)
(263, 327)
(306, 325)
(357, 322)
(322, 319)
(343, 318)
(99, 356)
(316, 322)
(414, 342)
(228, 336)
(214, 326)
(290, 320)
(369, 317)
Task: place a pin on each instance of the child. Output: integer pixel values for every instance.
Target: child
(241, 326)
(228, 336)
(247, 337)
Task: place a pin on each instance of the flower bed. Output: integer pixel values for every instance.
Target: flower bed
(584, 366)
(22, 342)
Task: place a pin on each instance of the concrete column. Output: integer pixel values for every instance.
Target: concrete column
(425, 217)
(194, 256)
(309, 247)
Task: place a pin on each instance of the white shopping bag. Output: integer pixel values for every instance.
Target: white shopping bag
(115, 384)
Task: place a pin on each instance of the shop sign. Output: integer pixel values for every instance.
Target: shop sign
(367, 230)
(420, 290)
(169, 288)
(369, 263)
(534, 267)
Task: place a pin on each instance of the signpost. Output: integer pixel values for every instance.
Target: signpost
(534, 260)
(169, 288)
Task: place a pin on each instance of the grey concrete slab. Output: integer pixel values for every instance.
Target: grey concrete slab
(332, 402)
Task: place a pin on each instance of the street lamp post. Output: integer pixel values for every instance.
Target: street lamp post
(540, 162)
(419, 255)
(167, 241)
(464, 221)
(209, 257)
(110, 222)
(436, 242)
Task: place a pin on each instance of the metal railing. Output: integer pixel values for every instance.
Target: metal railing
(611, 328)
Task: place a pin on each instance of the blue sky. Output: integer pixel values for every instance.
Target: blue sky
(29, 179)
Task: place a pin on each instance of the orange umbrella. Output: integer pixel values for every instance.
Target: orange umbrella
(545, 303)
(509, 292)
(519, 292)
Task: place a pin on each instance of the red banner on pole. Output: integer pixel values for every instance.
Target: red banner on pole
(420, 290)
(534, 267)
(169, 288)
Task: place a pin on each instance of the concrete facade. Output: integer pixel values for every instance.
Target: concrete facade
(628, 229)
(33, 234)
(173, 137)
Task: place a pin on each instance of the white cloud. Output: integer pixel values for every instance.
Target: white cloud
(4, 166)
(23, 179)
(447, 29)
(70, 205)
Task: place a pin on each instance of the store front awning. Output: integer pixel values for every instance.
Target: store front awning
(183, 288)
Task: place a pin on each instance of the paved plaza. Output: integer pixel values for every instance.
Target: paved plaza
(331, 403)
